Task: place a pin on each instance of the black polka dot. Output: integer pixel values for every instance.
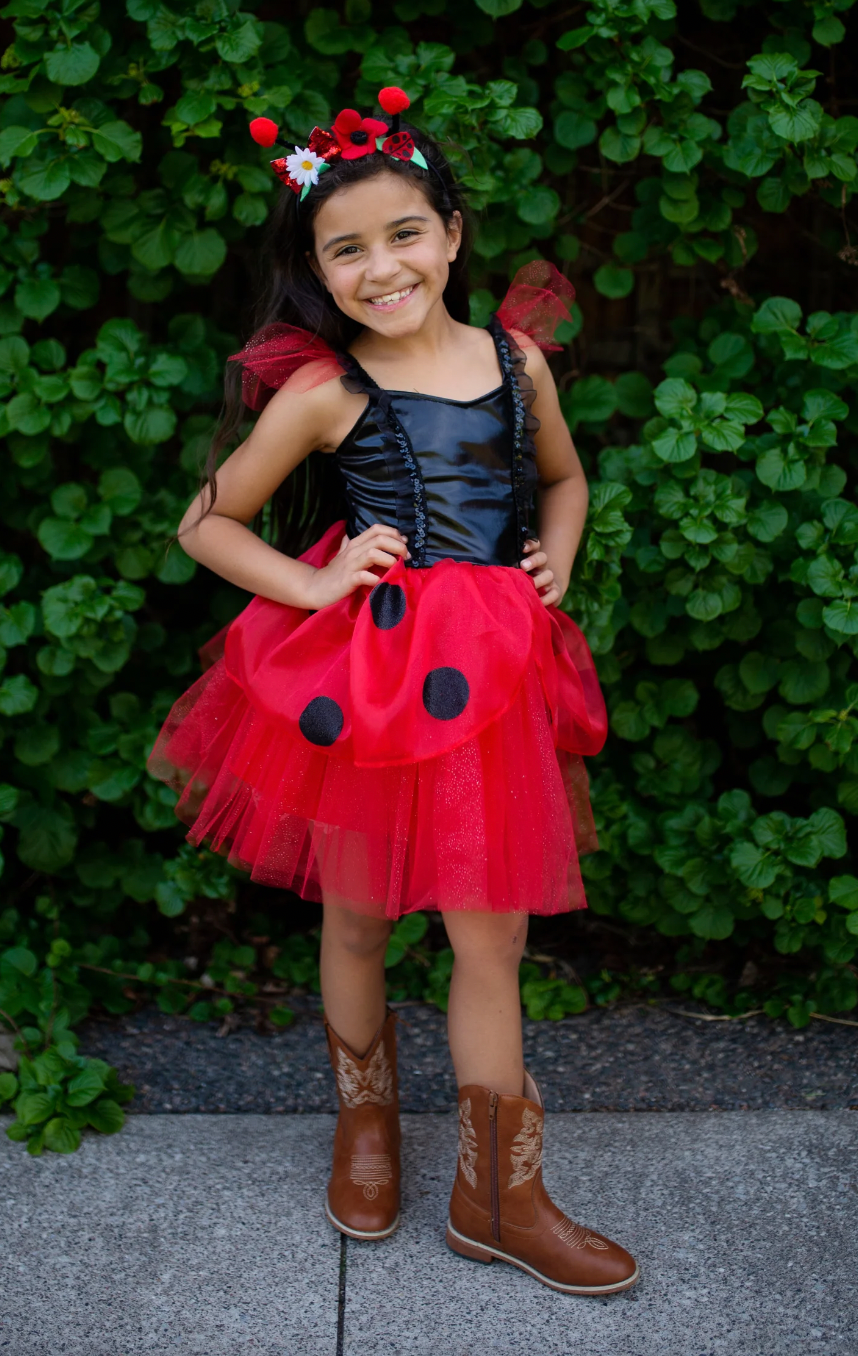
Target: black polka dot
(445, 693)
(321, 721)
(387, 605)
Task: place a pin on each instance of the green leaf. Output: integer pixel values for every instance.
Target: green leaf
(120, 489)
(37, 297)
(8, 1087)
(154, 424)
(828, 31)
(775, 315)
(72, 64)
(754, 867)
(17, 695)
(241, 43)
(538, 204)
(591, 400)
(618, 146)
(63, 540)
(61, 1135)
(85, 1087)
(48, 838)
(842, 616)
(797, 124)
(201, 253)
(16, 141)
(712, 921)
(44, 180)
(612, 281)
(675, 398)
(106, 1116)
(843, 890)
(830, 831)
(573, 130)
(117, 141)
(576, 37)
(767, 521)
(20, 959)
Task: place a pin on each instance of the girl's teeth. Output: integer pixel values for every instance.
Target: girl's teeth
(391, 297)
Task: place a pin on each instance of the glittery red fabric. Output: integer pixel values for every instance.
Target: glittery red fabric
(539, 298)
(392, 808)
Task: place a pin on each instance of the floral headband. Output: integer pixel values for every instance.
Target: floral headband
(350, 137)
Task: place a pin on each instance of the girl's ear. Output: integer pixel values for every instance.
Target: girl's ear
(454, 236)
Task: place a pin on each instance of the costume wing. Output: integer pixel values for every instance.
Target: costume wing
(539, 298)
(278, 354)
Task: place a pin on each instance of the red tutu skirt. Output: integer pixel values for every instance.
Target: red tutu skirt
(414, 746)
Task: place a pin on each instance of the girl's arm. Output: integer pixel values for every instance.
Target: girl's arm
(563, 489)
(291, 426)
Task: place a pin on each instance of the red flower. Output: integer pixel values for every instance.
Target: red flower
(357, 135)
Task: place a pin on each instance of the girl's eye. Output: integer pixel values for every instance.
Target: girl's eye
(406, 231)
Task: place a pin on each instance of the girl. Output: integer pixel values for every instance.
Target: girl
(398, 717)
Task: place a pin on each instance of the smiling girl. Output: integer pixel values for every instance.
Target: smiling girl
(398, 718)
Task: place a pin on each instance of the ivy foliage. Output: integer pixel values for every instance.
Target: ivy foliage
(694, 174)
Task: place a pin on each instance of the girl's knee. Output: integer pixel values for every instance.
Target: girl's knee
(480, 940)
(360, 935)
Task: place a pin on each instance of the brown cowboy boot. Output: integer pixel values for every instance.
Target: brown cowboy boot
(500, 1208)
(363, 1193)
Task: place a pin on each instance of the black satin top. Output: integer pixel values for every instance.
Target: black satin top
(455, 476)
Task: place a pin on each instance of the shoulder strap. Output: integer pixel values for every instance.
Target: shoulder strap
(275, 355)
(538, 299)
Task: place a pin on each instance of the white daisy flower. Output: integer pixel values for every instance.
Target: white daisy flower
(303, 166)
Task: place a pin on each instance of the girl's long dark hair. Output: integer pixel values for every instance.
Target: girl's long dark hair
(311, 498)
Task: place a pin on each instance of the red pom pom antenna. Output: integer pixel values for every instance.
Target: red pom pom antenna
(263, 131)
(393, 99)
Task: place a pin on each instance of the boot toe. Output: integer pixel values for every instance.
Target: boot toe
(370, 1219)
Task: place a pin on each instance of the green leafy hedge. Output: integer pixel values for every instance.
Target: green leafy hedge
(695, 176)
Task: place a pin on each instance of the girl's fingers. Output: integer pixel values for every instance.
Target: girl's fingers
(533, 562)
(551, 596)
(364, 577)
(378, 557)
(382, 543)
(540, 581)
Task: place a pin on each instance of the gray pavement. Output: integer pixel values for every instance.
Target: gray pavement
(205, 1234)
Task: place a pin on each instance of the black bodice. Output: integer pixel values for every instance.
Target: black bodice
(457, 477)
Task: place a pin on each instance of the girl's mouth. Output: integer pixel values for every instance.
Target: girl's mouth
(390, 301)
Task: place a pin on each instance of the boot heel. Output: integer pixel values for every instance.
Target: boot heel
(471, 1250)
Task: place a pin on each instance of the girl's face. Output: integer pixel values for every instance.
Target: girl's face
(383, 253)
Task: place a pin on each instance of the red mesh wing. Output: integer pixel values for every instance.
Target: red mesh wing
(277, 353)
(539, 298)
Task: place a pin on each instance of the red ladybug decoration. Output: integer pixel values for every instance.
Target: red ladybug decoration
(400, 145)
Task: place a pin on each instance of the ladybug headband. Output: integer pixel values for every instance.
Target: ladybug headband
(350, 138)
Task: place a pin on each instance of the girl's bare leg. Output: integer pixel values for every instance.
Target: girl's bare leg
(352, 974)
(484, 1017)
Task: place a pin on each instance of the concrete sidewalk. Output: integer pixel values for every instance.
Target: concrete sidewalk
(205, 1234)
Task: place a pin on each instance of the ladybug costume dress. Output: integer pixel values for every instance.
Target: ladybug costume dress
(417, 745)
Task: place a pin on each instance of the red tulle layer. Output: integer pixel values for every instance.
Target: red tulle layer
(391, 808)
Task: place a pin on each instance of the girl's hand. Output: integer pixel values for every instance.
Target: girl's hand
(351, 566)
(533, 562)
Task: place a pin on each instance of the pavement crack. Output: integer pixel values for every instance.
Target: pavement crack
(341, 1296)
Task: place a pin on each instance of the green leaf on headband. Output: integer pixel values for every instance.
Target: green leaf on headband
(419, 159)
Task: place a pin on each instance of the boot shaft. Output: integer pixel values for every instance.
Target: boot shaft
(500, 1153)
